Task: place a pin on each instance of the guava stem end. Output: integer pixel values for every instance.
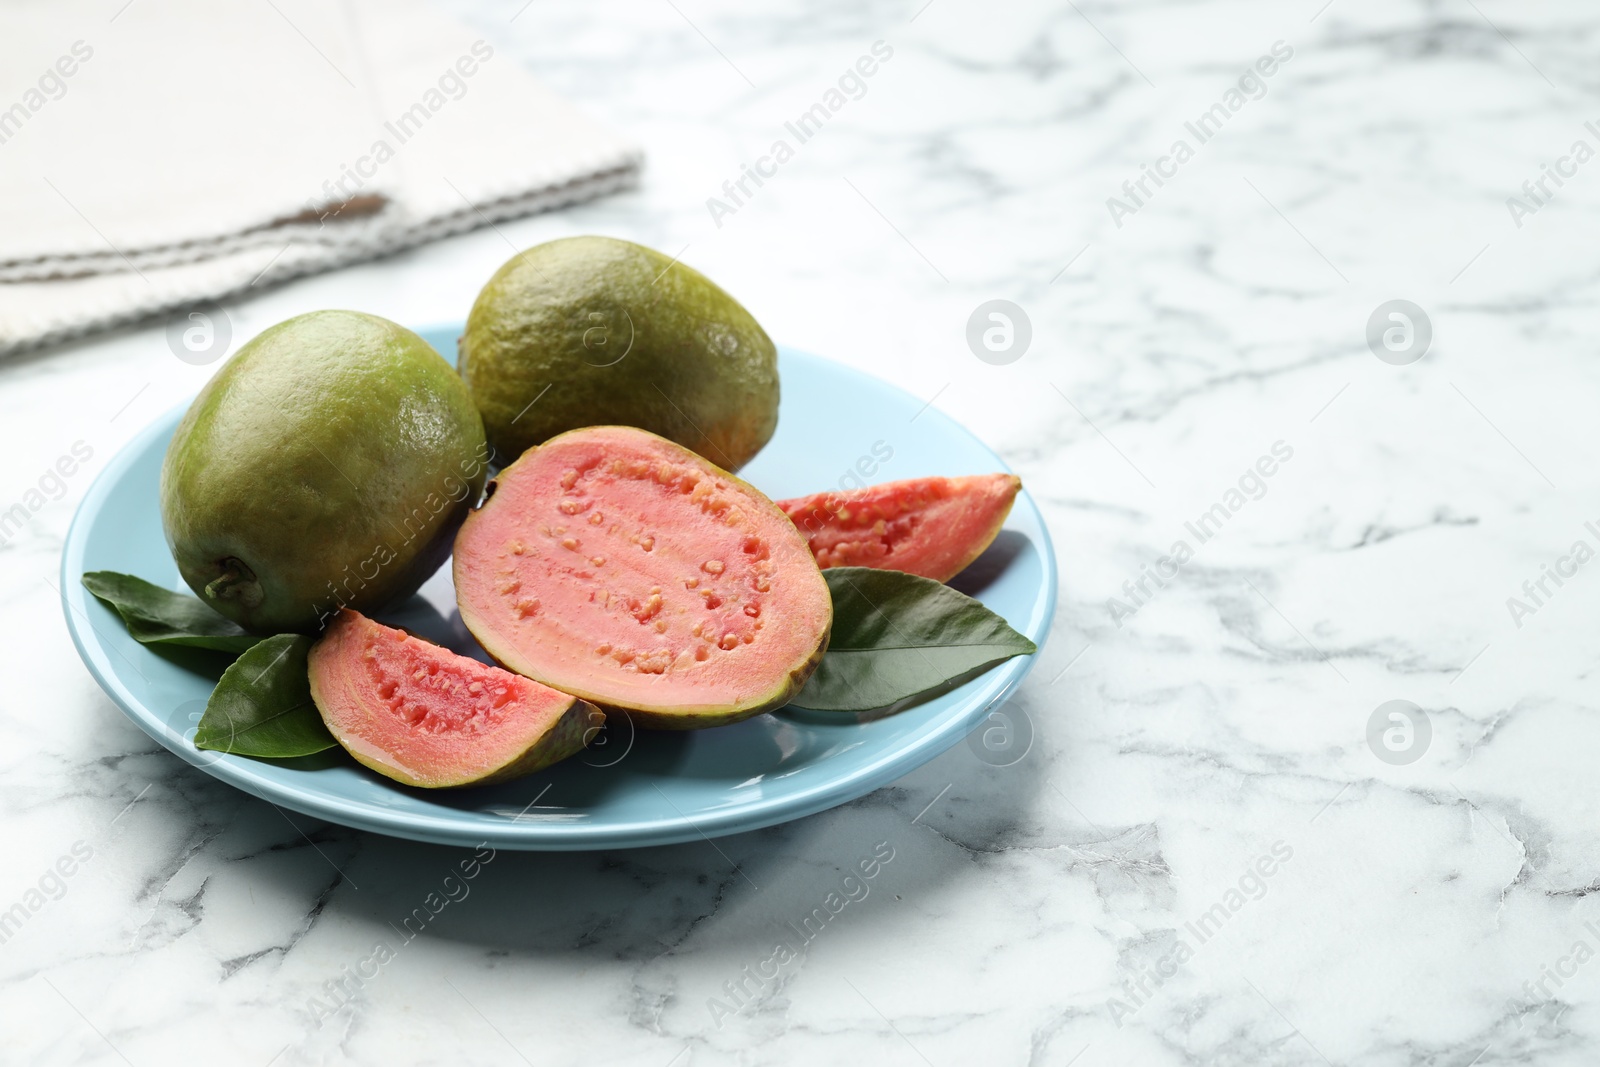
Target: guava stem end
(236, 582)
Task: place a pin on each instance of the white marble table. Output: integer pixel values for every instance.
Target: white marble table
(1202, 858)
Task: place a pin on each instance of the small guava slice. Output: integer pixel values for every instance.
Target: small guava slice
(933, 527)
(621, 567)
(424, 716)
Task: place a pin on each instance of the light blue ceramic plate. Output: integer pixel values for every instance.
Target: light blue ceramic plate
(836, 425)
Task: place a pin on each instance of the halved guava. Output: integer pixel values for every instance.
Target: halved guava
(618, 566)
(933, 527)
(424, 716)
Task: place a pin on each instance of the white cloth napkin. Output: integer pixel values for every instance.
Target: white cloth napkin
(172, 152)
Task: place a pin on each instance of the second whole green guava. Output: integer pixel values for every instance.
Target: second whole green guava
(588, 331)
(326, 465)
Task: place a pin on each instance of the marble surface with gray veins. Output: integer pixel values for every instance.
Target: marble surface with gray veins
(1277, 509)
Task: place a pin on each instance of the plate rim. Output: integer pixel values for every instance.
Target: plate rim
(851, 784)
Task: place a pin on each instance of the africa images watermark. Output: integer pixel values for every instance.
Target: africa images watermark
(200, 334)
(744, 990)
(1205, 526)
(1564, 967)
(1399, 732)
(51, 85)
(342, 990)
(806, 126)
(52, 482)
(1204, 127)
(1251, 885)
(852, 484)
(342, 192)
(1536, 592)
(1565, 167)
(416, 523)
(999, 332)
(50, 886)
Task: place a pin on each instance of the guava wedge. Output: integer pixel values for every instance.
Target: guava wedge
(623, 568)
(426, 717)
(933, 527)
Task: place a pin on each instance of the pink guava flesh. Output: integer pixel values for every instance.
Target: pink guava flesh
(933, 527)
(618, 566)
(424, 716)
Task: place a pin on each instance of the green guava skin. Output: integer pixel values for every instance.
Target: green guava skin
(328, 463)
(568, 737)
(790, 688)
(587, 331)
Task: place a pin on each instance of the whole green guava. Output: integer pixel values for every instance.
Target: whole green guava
(588, 331)
(326, 465)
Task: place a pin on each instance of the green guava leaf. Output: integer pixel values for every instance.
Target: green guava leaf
(157, 616)
(262, 706)
(897, 636)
